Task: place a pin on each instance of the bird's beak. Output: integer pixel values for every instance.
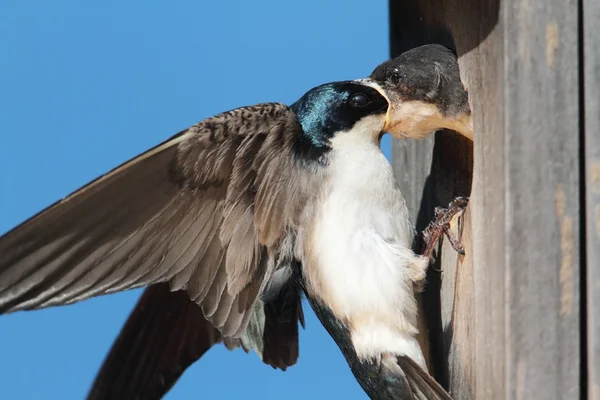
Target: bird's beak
(412, 119)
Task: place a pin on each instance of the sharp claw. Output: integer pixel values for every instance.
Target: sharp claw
(441, 226)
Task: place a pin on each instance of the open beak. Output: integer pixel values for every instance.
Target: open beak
(413, 119)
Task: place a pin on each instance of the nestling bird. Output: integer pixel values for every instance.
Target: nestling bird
(231, 220)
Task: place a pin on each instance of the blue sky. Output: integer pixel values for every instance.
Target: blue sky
(85, 87)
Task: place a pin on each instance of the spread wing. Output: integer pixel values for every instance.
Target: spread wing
(167, 332)
(207, 211)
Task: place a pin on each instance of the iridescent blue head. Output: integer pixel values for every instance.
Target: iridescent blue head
(414, 94)
(335, 108)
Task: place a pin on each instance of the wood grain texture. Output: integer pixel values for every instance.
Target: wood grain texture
(541, 133)
(432, 173)
(591, 71)
(457, 306)
(508, 317)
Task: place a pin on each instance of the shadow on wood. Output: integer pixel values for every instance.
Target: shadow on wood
(432, 172)
(504, 320)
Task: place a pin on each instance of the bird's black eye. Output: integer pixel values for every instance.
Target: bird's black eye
(395, 78)
(359, 100)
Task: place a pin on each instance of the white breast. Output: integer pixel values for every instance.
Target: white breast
(359, 258)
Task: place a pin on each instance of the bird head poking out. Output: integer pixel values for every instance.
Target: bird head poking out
(425, 92)
(230, 220)
(410, 96)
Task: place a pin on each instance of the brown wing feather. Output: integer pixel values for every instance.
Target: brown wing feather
(167, 332)
(281, 329)
(202, 210)
(164, 335)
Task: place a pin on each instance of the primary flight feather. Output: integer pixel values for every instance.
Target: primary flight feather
(231, 220)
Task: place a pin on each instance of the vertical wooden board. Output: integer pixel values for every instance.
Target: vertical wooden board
(541, 133)
(513, 304)
(481, 71)
(411, 160)
(458, 308)
(591, 82)
(472, 299)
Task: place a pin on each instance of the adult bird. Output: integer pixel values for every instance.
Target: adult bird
(231, 220)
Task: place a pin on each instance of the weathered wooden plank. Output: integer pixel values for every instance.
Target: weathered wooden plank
(510, 308)
(411, 160)
(452, 324)
(457, 306)
(482, 68)
(591, 71)
(541, 131)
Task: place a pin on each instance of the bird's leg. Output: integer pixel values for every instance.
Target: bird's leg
(441, 226)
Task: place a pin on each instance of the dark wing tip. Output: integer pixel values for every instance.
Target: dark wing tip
(165, 333)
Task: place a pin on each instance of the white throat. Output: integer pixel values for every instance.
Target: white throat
(359, 261)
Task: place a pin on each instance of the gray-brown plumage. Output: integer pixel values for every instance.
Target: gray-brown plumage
(228, 222)
(166, 333)
(192, 212)
(211, 213)
(205, 210)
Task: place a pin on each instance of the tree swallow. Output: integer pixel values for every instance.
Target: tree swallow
(230, 221)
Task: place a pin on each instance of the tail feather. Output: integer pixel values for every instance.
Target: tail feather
(422, 385)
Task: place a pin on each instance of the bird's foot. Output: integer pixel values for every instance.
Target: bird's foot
(441, 226)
